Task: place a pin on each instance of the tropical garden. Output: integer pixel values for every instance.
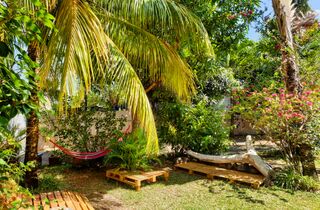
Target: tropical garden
(140, 85)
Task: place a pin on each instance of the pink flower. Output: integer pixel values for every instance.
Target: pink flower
(120, 139)
(309, 103)
(308, 92)
(274, 95)
(280, 114)
(281, 90)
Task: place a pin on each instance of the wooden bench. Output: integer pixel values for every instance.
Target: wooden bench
(135, 178)
(60, 200)
(212, 171)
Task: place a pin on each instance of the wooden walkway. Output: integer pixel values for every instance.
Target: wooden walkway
(135, 178)
(60, 200)
(213, 171)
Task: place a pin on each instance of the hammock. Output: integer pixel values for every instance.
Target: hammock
(86, 155)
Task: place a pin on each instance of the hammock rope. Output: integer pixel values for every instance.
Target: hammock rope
(86, 155)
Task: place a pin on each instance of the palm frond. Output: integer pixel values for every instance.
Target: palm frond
(145, 50)
(120, 71)
(79, 41)
(163, 16)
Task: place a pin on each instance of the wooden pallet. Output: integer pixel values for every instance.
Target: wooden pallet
(213, 171)
(60, 200)
(135, 178)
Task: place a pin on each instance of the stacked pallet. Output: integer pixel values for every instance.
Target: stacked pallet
(135, 178)
(212, 171)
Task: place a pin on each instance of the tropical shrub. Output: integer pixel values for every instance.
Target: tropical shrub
(84, 130)
(129, 152)
(200, 128)
(12, 196)
(289, 120)
(289, 179)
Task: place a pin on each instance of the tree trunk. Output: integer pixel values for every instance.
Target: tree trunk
(307, 161)
(32, 137)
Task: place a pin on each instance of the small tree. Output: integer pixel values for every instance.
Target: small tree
(289, 120)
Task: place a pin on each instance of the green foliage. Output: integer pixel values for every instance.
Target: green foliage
(255, 64)
(129, 152)
(289, 179)
(227, 21)
(309, 55)
(84, 130)
(18, 27)
(199, 127)
(12, 196)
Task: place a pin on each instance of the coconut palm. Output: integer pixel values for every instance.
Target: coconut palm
(102, 41)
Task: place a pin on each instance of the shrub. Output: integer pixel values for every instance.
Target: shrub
(289, 120)
(129, 152)
(289, 179)
(12, 196)
(200, 128)
(84, 130)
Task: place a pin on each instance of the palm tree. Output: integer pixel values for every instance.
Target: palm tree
(285, 14)
(102, 41)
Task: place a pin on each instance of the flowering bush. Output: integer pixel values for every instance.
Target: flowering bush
(289, 120)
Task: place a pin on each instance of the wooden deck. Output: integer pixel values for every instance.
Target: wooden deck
(60, 200)
(213, 171)
(135, 178)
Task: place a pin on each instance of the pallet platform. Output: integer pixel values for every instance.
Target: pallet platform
(135, 178)
(213, 171)
(60, 200)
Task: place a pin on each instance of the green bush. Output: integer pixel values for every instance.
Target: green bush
(200, 128)
(129, 152)
(84, 130)
(12, 196)
(289, 179)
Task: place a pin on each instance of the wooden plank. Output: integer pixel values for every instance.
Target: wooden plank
(68, 200)
(36, 202)
(212, 171)
(82, 203)
(52, 199)
(59, 199)
(74, 200)
(45, 203)
(86, 201)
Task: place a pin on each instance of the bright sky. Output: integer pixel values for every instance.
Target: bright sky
(314, 4)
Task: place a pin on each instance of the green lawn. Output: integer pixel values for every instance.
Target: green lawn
(182, 191)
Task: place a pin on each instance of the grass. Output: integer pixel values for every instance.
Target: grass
(182, 191)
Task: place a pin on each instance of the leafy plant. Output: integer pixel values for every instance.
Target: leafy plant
(129, 152)
(200, 127)
(85, 130)
(12, 196)
(289, 179)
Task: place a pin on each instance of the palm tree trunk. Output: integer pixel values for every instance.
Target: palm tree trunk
(32, 137)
